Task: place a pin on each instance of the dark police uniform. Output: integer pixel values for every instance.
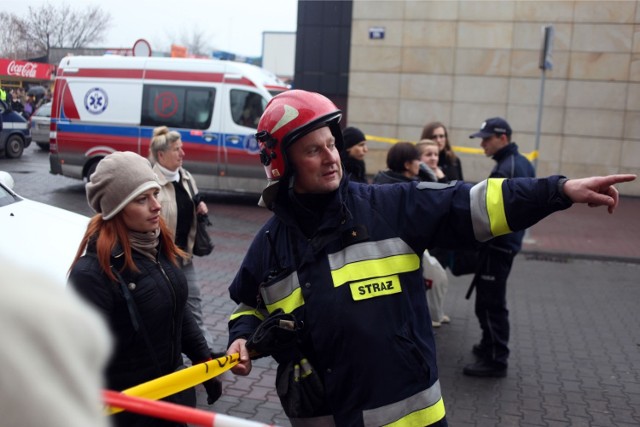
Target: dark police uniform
(496, 259)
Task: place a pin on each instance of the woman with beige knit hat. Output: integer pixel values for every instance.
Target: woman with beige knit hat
(127, 267)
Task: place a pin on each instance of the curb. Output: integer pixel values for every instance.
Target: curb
(566, 256)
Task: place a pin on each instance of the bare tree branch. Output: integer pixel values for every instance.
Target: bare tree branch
(197, 42)
(88, 27)
(40, 24)
(13, 42)
(50, 26)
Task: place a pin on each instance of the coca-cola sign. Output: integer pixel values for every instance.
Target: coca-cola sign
(25, 70)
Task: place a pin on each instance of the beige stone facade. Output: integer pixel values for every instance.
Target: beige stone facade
(461, 62)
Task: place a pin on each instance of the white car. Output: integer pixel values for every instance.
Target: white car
(36, 235)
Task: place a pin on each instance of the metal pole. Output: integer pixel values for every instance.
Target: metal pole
(527, 233)
(545, 63)
(539, 124)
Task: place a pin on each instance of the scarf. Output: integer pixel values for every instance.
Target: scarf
(145, 243)
(309, 209)
(170, 175)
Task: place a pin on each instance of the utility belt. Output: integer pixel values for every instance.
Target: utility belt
(298, 384)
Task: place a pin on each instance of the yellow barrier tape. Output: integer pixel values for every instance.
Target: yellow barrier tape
(467, 150)
(382, 139)
(181, 380)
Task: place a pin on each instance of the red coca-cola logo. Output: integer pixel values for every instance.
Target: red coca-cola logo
(28, 69)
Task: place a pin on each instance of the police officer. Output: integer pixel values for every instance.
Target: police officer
(496, 258)
(338, 268)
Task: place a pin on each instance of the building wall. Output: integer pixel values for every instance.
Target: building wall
(461, 62)
(279, 52)
(322, 49)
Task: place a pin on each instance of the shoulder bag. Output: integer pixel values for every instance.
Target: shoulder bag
(203, 245)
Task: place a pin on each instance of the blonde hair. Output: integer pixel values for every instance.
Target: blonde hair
(161, 140)
(427, 132)
(423, 143)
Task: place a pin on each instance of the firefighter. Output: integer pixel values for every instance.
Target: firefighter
(332, 286)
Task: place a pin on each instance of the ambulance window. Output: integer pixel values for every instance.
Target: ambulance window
(247, 107)
(199, 108)
(177, 106)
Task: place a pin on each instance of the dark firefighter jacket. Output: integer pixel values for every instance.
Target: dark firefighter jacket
(357, 287)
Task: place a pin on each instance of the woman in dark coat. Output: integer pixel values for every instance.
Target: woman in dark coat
(127, 268)
(352, 156)
(403, 161)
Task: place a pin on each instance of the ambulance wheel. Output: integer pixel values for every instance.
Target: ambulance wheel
(14, 147)
(91, 169)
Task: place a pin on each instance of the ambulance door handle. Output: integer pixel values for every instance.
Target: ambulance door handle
(234, 139)
(209, 137)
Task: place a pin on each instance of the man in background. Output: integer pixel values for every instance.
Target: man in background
(496, 258)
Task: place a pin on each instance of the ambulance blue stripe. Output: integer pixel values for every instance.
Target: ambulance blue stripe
(135, 132)
(119, 131)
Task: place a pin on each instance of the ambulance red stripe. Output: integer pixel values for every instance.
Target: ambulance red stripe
(188, 76)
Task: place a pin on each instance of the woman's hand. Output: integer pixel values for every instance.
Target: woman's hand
(202, 208)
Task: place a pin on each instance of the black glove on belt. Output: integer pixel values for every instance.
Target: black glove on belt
(276, 333)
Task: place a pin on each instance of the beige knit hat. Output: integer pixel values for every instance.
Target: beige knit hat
(119, 178)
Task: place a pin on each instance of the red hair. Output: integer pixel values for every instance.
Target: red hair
(108, 233)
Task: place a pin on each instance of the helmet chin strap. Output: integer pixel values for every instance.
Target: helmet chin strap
(290, 186)
(292, 194)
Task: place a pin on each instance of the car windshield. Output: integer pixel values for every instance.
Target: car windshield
(6, 198)
(44, 110)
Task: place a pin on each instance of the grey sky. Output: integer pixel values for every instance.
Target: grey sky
(232, 25)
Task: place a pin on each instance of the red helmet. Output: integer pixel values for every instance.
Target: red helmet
(289, 116)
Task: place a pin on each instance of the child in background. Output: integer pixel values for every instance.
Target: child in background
(429, 155)
(436, 279)
(448, 161)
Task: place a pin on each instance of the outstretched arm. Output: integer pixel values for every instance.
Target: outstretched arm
(596, 190)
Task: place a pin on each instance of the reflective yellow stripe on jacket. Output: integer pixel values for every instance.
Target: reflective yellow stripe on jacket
(487, 210)
(356, 262)
(246, 310)
(285, 294)
(421, 409)
(372, 259)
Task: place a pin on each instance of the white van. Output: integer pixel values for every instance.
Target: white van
(113, 103)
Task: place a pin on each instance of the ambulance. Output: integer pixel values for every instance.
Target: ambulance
(113, 103)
